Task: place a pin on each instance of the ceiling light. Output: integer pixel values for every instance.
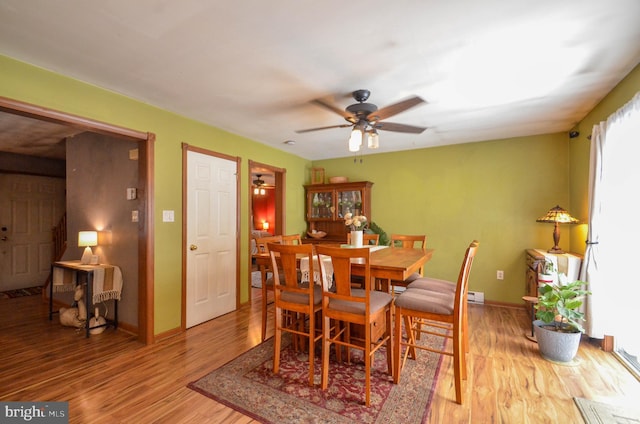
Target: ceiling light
(355, 140)
(373, 139)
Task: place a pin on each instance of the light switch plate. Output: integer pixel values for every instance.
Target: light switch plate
(168, 216)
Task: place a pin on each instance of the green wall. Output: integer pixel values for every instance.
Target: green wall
(37, 86)
(492, 191)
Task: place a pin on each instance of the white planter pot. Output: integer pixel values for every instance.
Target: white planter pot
(555, 345)
(356, 238)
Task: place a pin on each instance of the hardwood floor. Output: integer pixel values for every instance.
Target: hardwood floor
(112, 378)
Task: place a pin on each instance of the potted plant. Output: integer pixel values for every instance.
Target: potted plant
(548, 273)
(558, 328)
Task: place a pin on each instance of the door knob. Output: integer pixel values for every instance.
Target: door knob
(193, 247)
(4, 238)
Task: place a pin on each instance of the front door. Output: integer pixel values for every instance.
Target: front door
(30, 206)
(211, 237)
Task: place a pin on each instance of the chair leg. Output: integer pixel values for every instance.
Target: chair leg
(264, 311)
(458, 350)
(389, 335)
(277, 341)
(263, 277)
(326, 346)
(397, 345)
(367, 365)
(312, 332)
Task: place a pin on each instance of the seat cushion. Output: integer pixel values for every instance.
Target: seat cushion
(435, 284)
(301, 298)
(378, 300)
(426, 301)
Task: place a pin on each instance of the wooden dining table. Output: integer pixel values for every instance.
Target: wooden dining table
(386, 264)
(396, 263)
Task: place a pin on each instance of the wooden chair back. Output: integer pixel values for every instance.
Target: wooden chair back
(295, 239)
(409, 241)
(262, 242)
(367, 239)
(341, 261)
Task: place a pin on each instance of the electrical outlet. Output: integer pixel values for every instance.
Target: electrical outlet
(500, 274)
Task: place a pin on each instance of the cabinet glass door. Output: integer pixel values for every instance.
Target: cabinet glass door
(349, 201)
(321, 205)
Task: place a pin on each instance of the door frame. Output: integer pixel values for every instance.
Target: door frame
(146, 143)
(187, 148)
(280, 175)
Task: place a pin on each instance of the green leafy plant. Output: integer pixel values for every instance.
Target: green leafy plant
(383, 240)
(559, 304)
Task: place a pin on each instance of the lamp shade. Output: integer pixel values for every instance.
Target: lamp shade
(87, 238)
(557, 216)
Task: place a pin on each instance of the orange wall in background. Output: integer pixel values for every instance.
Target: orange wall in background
(264, 209)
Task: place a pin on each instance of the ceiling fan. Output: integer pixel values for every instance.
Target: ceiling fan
(366, 118)
(259, 184)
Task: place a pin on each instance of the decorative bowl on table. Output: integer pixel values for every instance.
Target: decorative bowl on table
(316, 234)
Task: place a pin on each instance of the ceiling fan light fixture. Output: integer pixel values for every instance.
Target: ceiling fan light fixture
(373, 140)
(355, 141)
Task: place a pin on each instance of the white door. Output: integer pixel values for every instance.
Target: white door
(30, 206)
(211, 237)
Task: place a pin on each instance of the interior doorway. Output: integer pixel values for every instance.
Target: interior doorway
(77, 124)
(266, 204)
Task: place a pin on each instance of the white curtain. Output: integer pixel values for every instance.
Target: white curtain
(613, 245)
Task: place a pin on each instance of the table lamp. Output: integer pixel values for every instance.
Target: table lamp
(557, 216)
(87, 239)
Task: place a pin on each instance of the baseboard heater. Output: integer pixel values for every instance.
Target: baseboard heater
(475, 297)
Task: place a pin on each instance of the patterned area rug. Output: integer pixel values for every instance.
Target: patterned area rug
(248, 385)
(602, 413)
(29, 291)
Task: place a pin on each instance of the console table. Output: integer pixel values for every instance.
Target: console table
(80, 274)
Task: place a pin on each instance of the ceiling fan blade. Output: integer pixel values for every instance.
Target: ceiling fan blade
(395, 108)
(346, 115)
(324, 128)
(392, 126)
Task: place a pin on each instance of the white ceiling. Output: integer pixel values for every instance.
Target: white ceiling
(488, 69)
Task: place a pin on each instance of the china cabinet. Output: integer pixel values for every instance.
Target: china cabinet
(327, 204)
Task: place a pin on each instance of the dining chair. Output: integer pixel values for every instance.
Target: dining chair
(368, 239)
(369, 309)
(297, 301)
(292, 239)
(267, 282)
(439, 313)
(407, 241)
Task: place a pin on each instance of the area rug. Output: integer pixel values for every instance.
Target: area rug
(29, 291)
(248, 385)
(602, 413)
